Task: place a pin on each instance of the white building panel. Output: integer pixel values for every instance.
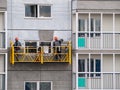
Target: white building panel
(117, 23)
(107, 23)
(117, 63)
(59, 20)
(107, 60)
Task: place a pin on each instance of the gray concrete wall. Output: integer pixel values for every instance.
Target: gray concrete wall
(3, 5)
(58, 73)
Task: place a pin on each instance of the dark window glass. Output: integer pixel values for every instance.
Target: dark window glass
(81, 75)
(30, 86)
(81, 65)
(87, 24)
(92, 66)
(31, 47)
(91, 34)
(92, 24)
(97, 25)
(81, 34)
(97, 34)
(45, 86)
(81, 25)
(87, 67)
(95, 66)
(45, 11)
(98, 66)
(31, 10)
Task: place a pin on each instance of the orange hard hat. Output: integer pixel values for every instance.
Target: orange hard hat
(55, 38)
(16, 38)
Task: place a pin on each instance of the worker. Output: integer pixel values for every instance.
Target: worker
(57, 47)
(17, 45)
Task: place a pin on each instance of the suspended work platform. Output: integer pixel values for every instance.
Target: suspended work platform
(41, 54)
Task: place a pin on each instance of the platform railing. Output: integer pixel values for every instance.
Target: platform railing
(41, 54)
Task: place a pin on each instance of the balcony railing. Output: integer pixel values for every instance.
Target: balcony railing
(107, 81)
(41, 54)
(103, 41)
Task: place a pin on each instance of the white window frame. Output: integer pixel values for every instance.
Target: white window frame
(4, 73)
(83, 20)
(38, 9)
(25, 11)
(4, 31)
(88, 71)
(37, 82)
(85, 25)
(94, 69)
(94, 32)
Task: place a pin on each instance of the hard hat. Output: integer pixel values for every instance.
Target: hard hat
(55, 38)
(16, 38)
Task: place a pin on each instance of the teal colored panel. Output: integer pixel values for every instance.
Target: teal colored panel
(81, 82)
(81, 42)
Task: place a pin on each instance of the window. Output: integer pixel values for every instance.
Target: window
(81, 34)
(92, 24)
(30, 86)
(81, 65)
(31, 10)
(45, 11)
(81, 25)
(37, 11)
(45, 86)
(46, 47)
(98, 66)
(31, 47)
(38, 85)
(95, 25)
(93, 66)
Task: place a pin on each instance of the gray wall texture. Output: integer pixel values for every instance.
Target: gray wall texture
(58, 73)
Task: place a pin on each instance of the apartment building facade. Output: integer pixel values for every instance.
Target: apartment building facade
(96, 47)
(36, 22)
(3, 45)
